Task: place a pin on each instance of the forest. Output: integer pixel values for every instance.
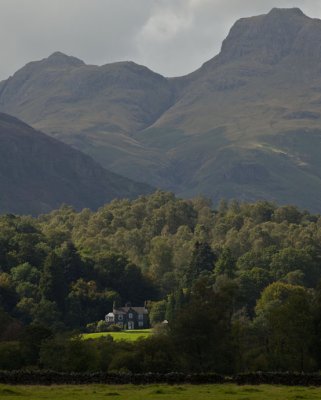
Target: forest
(238, 283)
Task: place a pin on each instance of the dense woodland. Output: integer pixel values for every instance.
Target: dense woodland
(238, 283)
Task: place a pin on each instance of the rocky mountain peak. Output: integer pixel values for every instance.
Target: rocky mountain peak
(60, 59)
(286, 12)
(267, 37)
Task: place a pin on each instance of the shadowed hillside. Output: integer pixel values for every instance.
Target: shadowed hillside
(39, 173)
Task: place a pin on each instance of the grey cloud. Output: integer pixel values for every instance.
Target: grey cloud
(172, 37)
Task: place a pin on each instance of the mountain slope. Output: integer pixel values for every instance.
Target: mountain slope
(93, 108)
(39, 173)
(245, 125)
(252, 114)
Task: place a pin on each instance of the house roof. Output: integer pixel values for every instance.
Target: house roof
(125, 310)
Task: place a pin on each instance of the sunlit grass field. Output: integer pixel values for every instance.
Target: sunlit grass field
(153, 392)
(123, 335)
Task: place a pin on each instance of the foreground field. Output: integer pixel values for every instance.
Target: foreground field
(124, 335)
(153, 392)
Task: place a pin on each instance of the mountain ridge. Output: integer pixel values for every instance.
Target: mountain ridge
(244, 125)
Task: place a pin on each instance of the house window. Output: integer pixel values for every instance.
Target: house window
(130, 315)
(141, 316)
(120, 317)
(140, 324)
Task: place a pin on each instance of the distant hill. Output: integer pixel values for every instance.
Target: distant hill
(246, 125)
(39, 173)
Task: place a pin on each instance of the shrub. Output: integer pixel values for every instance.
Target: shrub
(114, 328)
(102, 326)
(91, 328)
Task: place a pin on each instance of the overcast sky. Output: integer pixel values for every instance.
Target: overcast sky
(172, 37)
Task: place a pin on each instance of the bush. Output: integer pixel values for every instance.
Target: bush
(91, 328)
(63, 353)
(114, 328)
(102, 326)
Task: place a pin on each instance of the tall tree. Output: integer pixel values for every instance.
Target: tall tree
(285, 313)
(203, 260)
(202, 330)
(52, 281)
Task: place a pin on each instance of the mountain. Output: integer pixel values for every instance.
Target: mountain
(93, 108)
(245, 125)
(39, 173)
(248, 121)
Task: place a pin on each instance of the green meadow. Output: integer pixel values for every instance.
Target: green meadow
(130, 336)
(153, 392)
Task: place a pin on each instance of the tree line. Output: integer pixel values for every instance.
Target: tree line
(238, 284)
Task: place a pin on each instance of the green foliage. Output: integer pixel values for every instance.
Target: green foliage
(203, 259)
(202, 330)
(30, 342)
(86, 303)
(225, 264)
(63, 354)
(284, 316)
(102, 326)
(52, 283)
(157, 312)
(237, 286)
